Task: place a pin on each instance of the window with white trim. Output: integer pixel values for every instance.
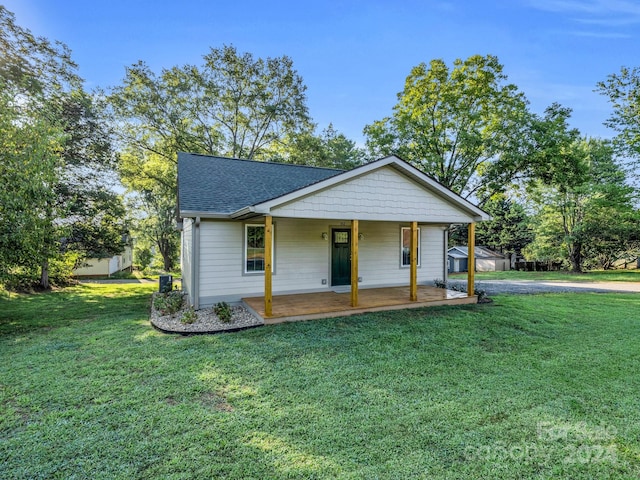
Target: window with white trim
(405, 246)
(254, 248)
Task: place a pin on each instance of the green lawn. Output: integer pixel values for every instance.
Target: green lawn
(592, 276)
(537, 386)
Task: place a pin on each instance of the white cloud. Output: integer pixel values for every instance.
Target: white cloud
(605, 13)
(591, 34)
(589, 7)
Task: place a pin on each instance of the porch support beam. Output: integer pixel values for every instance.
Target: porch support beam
(268, 261)
(413, 263)
(354, 263)
(471, 260)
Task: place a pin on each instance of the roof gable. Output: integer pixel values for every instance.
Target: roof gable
(219, 186)
(426, 183)
(457, 252)
(379, 194)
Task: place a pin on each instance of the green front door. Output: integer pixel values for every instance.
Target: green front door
(340, 257)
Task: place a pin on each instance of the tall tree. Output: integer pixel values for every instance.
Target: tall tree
(55, 151)
(587, 211)
(153, 182)
(452, 123)
(623, 90)
(231, 105)
(509, 229)
(30, 166)
(538, 152)
(330, 149)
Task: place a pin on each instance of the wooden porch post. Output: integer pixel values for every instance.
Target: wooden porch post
(471, 260)
(268, 260)
(413, 259)
(354, 263)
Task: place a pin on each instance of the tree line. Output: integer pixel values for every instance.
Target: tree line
(554, 194)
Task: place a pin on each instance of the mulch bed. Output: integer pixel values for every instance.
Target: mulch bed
(206, 320)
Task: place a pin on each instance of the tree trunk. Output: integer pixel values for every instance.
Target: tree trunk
(165, 250)
(575, 256)
(168, 262)
(44, 275)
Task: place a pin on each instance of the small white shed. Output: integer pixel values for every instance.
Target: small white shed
(487, 260)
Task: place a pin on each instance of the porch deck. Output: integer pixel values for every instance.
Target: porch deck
(310, 306)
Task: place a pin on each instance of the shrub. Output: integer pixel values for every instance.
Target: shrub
(143, 257)
(61, 268)
(440, 283)
(169, 302)
(223, 311)
(189, 316)
(459, 287)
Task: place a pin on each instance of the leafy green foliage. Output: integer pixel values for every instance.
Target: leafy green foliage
(623, 91)
(30, 165)
(223, 311)
(189, 315)
(459, 287)
(509, 229)
(586, 213)
(232, 105)
(540, 151)
(329, 149)
(452, 123)
(90, 390)
(142, 256)
(56, 152)
(168, 303)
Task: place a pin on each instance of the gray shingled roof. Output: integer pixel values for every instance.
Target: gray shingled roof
(220, 185)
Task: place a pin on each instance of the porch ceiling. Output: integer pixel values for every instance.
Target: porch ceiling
(309, 306)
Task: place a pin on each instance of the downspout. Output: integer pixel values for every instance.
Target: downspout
(195, 265)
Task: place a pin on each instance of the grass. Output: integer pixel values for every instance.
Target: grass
(591, 276)
(536, 386)
(134, 275)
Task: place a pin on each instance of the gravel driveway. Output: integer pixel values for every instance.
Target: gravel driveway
(495, 287)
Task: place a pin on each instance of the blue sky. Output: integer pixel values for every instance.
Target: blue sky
(355, 55)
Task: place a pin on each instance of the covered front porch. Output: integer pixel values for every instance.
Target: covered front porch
(352, 299)
(310, 306)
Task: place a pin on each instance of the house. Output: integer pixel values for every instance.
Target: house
(105, 267)
(253, 229)
(487, 260)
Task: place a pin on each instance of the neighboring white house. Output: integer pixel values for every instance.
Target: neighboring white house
(487, 260)
(223, 204)
(105, 267)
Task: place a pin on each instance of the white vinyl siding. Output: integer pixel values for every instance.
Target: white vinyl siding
(302, 257)
(380, 256)
(221, 261)
(105, 266)
(383, 194)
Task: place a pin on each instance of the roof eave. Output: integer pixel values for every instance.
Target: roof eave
(249, 212)
(202, 214)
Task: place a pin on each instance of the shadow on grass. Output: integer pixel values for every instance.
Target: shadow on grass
(25, 313)
(560, 276)
(401, 394)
